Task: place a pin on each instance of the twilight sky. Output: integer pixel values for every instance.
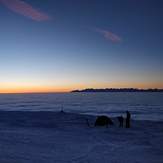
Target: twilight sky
(60, 45)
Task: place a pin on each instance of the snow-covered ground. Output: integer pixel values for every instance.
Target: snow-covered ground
(55, 137)
(143, 106)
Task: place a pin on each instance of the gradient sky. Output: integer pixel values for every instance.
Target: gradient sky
(53, 45)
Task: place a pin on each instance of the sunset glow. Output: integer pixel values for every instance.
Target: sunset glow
(59, 89)
(53, 46)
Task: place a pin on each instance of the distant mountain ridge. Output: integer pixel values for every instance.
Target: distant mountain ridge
(118, 90)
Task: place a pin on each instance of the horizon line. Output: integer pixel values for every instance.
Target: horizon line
(69, 91)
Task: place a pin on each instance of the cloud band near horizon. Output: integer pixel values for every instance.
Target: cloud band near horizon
(25, 9)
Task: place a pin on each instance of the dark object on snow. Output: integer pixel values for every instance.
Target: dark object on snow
(128, 117)
(120, 119)
(103, 121)
(61, 111)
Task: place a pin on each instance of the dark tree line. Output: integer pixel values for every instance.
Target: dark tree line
(119, 90)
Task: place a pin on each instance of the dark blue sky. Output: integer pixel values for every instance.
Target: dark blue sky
(62, 45)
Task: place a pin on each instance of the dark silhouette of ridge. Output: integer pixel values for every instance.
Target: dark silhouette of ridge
(119, 90)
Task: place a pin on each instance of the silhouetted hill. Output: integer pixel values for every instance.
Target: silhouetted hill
(118, 90)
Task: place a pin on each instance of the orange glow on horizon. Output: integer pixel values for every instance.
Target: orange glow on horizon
(32, 90)
(9, 88)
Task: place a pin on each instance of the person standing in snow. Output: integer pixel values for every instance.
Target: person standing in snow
(128, 117)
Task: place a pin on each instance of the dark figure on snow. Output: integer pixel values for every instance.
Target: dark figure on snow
(120, 119)
(103, 121)
(128, 117)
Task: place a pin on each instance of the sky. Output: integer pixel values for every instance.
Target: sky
(58, 46)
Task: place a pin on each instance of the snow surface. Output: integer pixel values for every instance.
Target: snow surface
(56, 137)
(143, 106)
